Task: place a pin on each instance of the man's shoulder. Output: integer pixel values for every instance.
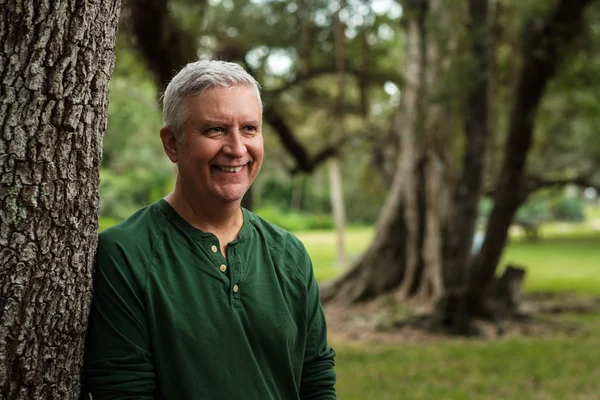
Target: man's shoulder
(289, 250)
(275, 234)
(139, 232)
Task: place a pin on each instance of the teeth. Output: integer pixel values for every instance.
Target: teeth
(231, 169)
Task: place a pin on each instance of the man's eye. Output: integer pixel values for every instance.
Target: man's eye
(215, 129)
(250, 128)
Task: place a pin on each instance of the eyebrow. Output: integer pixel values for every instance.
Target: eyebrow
(252, 122)
(208, 123)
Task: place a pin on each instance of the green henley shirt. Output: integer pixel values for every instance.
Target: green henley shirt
(171, 318)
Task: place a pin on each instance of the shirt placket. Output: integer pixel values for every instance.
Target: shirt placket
(219, 261)
(236, 276)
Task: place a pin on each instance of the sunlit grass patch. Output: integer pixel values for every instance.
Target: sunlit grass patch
(568, 261)
(553, 367)
(321, 246)
(563, 263)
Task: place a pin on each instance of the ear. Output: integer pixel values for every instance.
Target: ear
(170, 142)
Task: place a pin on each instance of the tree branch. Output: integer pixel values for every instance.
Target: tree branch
(583, 181)
(165, 47)
(304, 162)
(331, 69)
(535, 183)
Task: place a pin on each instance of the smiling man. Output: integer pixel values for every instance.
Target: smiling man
(196, 297)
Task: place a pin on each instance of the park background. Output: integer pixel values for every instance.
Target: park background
(334, 74)
(439, 159)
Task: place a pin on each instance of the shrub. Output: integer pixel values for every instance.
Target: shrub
(294, 220)
(569, 208)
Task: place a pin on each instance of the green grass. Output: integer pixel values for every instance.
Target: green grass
(565, 258)
(560, 263)
(559, 367)
(592, 213)
(556, 366)
(321, 246)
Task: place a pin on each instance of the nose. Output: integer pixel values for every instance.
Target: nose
(235, 146)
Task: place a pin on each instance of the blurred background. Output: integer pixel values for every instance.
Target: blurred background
(439, 159)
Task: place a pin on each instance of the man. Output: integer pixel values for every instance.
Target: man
(196, 297)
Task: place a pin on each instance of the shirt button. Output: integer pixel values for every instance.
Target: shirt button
(223, 267)
(213, 249)
(235, 288)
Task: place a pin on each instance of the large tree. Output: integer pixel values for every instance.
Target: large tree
(423, 242)
(56, 60)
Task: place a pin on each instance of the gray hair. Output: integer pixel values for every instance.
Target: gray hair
(193, 80)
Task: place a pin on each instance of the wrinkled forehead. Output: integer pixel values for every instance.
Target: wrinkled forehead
(225, 104)
(234, 87)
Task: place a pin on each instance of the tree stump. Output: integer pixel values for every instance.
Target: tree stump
(509, 288)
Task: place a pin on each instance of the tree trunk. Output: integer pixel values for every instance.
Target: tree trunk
(338, 208)
(432, 284)
(393, 257)
(297, 198)
(542, 51)
(335, 176)
(466, 199)
(55, 61)
(406, 255)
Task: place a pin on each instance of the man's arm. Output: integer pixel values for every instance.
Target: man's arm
(118, 361)
(318, 375)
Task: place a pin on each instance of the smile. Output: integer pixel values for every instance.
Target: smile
(230, 169)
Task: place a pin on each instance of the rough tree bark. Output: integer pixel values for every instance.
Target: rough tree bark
(56, 60)
(542, 51)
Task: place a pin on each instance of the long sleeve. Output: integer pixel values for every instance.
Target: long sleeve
(318, 375)
(118, 361)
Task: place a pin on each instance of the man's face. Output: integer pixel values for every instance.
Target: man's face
(222, 149)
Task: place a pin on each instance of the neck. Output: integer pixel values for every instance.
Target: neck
(220, 219)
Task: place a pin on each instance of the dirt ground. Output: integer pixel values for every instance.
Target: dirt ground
(384, 321)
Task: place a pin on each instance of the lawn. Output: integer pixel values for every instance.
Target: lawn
(321, 247)
(562, 259)
(547, 368)
(563, 365)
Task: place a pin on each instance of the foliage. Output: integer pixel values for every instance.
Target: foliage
(295, 220)
(106, 222)
(569, 208)
(135, 170)
(124, 193)
(566, 143)
(533, 212)
(542, 207)
(280, 40)
(485, 208)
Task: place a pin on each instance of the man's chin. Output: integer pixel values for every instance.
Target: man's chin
(232, 197)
